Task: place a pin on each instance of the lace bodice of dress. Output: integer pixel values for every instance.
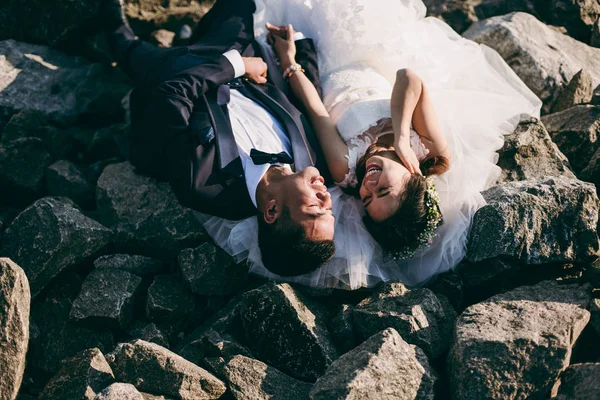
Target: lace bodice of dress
(358, 145)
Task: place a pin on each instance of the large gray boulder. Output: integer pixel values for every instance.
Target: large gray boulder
(580, 90)
(288, 331)
(544, 58)
(168, 300)
(145, 214)
(81, 377)
(62, 87)
(137, 265)
(579, 382)
(250, 379)
(576, 132)
(515, 345)
(536, 222)
(14, 327)
(108, 296)
(210, 271)
(529, 153)
(418, 315)
(382, 367)
(52, 235)
(120, 391)
(154, 369)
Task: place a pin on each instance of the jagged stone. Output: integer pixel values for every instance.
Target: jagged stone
(154, 369)
(168, 300)
(542, 57)
(591, 173)
(107, 143)
(384, 366)
(516, 344)
(536, 222)
(418, 315)
(287, 331)
(576, 133)
(459, 14)
(14, 327)
(250, 379)
(119, 391)
(81, 377)
(148, 396)
(449, 285)
(137, 265)
(578, 17)
(52, 235)
(579, 91)
(22, 166)
(595, 315)
(209, 271)
(529, 153)
(145, 214)
(162, 38)
(63, 178)
(579, 382)
(107, 296)
(595, 40)
(149, 333)
(342, 328)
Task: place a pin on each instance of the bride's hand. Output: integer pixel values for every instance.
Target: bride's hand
(282, 40)
(408, 156)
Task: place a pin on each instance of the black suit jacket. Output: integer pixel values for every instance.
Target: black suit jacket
(182, 134)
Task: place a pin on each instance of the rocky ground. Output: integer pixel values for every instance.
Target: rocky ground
(109, 289)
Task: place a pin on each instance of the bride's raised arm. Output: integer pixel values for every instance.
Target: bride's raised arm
(333, 146)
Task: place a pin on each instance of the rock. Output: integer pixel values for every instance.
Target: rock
(64, 88)
(580, 382)
(578, 91)
(250, 379)
(162, 38)
(449, 285)
(591, 173)
(578, 17)
(7, 215)
(576, 132)
(168, 300)
(384, 366)
(516, 344)
(80, 377)
(63, 178)
(145, 214)
(107, 143)
(14, 327)
(595, 318)
(155, 369)
(287, 331)
(148, 396)
(459, 14)
(529, 153)
(209, 271)
(107, 296)
(536, 222)
(418, 315)
(50, 236)
(120, 391)
(137, 265)
(595, 40)
(542, 57)
(149, 333)
(22, 166)
(342, 329)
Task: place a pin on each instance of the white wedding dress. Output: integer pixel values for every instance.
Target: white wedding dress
(478, 99)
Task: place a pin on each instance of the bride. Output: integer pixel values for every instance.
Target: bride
(411, 119)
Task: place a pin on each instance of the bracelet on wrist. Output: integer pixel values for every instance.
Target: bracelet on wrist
(291, 70)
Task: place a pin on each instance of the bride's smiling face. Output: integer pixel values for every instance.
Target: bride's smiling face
(384, 179)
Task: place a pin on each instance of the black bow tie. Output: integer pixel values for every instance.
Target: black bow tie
(260, 157)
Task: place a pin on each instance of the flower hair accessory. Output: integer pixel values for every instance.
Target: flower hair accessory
(434, 220)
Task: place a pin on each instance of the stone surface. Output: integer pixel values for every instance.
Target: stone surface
(418, 316)
(250, 379)
(578, 91)
(120, 391)
(595, 318)
(595, 40)
(516, 344)
(62, 87)
(580, 382)
(162, 38)
(154, 369)
(529, 153)
(138, 265)
(578, 17)
(106, 143)
(107, 296)
(591, 173)
(149, 333)
(536, 222)
(145, 214)
(22, 166)
(459, 14)
(168, 300)
(383, 367)
(542, 57)
(80, 377)
(63, 178)
(576, 132)
(288, 331)
(448, 285)
(14, 327)
(341, 327)
(52, 235)
(210, 271)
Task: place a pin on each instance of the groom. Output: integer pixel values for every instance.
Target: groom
(229, 147)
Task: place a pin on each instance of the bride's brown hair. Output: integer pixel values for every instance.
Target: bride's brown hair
(402, 229)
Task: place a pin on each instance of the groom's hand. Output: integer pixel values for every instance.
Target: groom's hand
(256, 69)
(282, 40)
